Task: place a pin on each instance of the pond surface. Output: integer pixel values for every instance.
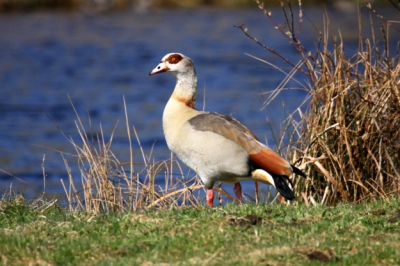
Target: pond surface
(96, 60)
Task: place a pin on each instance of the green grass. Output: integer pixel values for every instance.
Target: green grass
(45, 234)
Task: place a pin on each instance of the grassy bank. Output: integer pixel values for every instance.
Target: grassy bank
(42, 233)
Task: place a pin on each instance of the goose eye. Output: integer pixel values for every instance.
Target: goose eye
(174, 58)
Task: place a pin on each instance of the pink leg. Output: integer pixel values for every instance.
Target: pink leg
(257, 188)
(238, 191)
(210, 197)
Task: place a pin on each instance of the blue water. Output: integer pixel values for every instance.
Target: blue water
(96, 60)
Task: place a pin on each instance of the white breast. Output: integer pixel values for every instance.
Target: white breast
(212, 156)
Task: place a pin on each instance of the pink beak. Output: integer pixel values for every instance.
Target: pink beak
(159, 69)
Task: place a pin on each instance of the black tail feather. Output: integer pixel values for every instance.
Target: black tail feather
(282, 185)
(297, 171)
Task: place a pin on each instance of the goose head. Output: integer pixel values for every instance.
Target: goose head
(176, 64)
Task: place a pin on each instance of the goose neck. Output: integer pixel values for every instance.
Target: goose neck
(185, 89)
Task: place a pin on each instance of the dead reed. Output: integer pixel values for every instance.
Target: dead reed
(348, 141)
(108, 185)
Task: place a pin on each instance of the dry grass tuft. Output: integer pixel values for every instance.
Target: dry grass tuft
(107, 185)
(348, 142)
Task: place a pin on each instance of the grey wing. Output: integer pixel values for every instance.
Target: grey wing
(235, 123)
(229, 128)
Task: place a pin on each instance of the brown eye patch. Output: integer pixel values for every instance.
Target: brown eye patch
(174, 58)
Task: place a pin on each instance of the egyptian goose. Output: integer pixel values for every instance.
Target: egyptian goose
(216, 146)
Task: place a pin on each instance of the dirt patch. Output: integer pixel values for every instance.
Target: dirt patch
(394, 219)
(377, 237)
(320, 255)
(268, 211)
(296, 222)
(249, 219)
(378, 212)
